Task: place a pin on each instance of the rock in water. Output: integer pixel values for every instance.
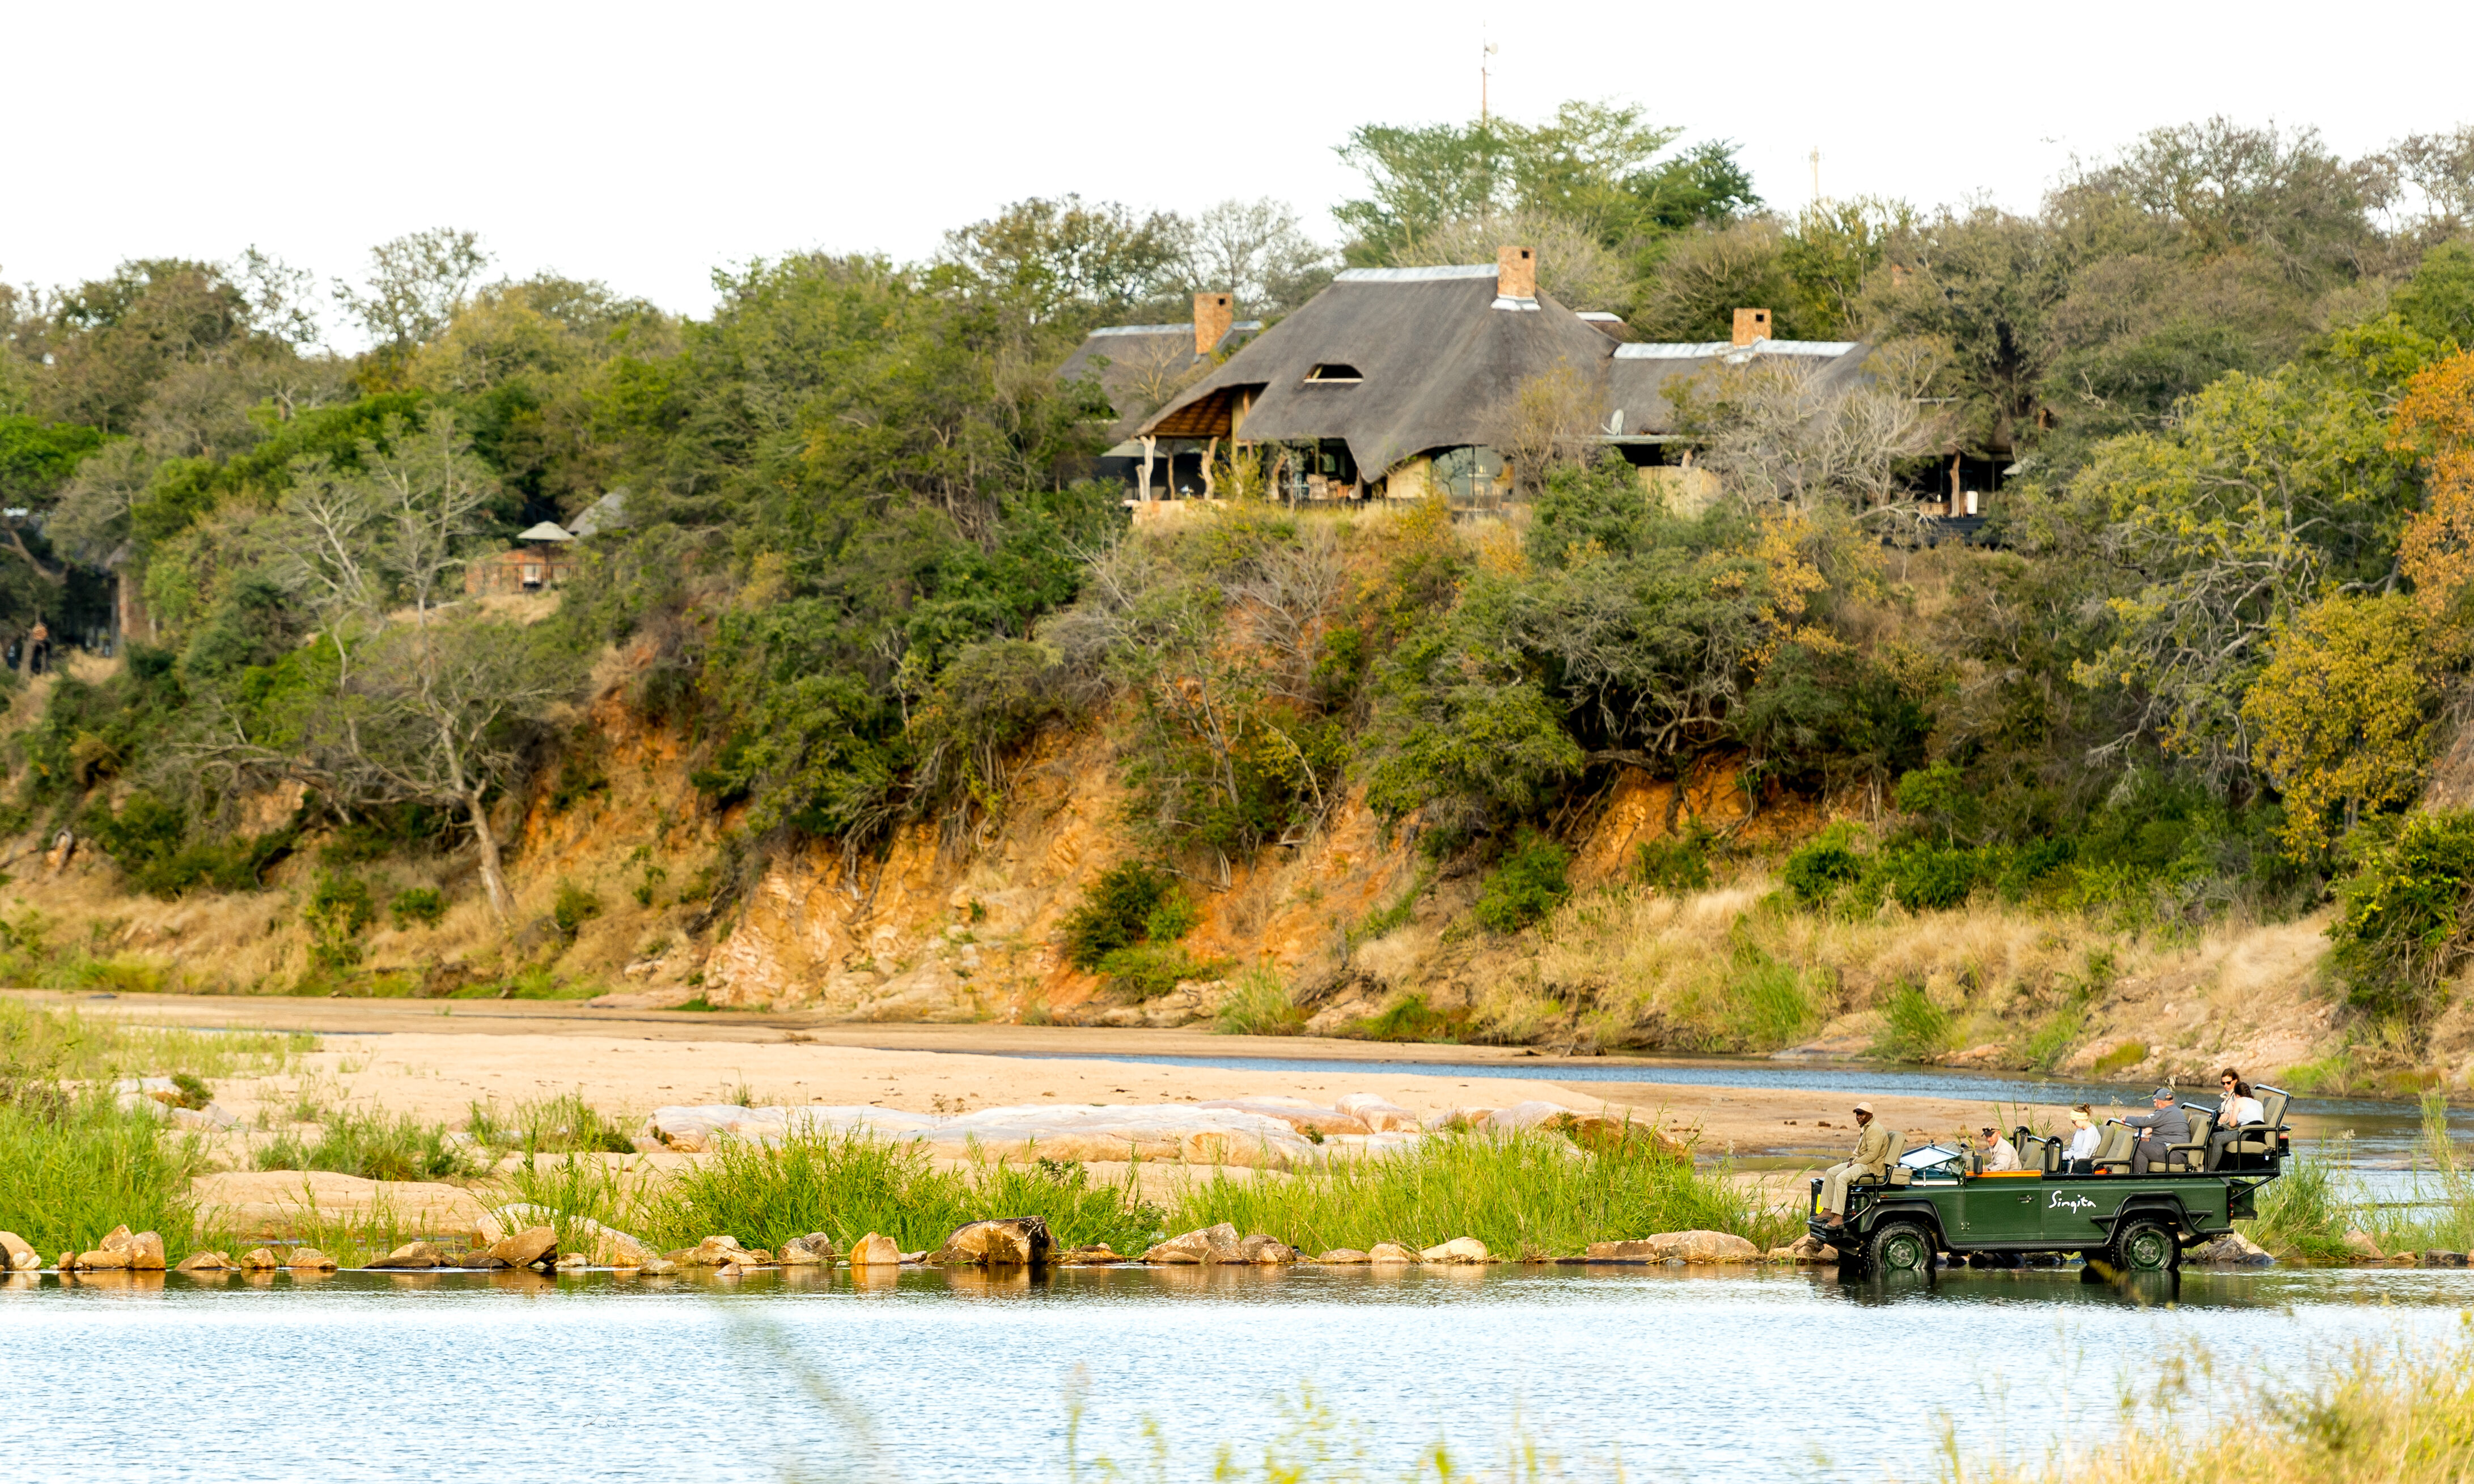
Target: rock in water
(411, 1254)
(1343, 1256)
(807, 1252)
(1457, 1249)
(658, 1267)
(2361, 1244)
(2232, 1249)
(308, 1259)
(1678, 1247)
(532, 1245)
(713, 1251)
(15, 1255)
(1007, 1242)
(2440, 1257)
(1266, 1251)
(261, 1260)
(146, 1251)
(203, 1262)
(101, 1261)
(1391, 1251)
(570, 1261)
(1099, 1254)
(119, 1240)
(1209, 1244)
(875, 1252)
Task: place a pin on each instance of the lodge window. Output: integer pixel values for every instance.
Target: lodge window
(1335, 371)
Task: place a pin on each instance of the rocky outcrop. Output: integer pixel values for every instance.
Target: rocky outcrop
(259, 1259)
(1208, 1244)
(411, 1254)
(875, 1252)
(2233, 1250)
(309, 1259)
(1006, 1242)
(1264, 1252)
(813, 1250)
(528, 1247)
(122, 1249)
(204, 1262)
(1695, 1247)
(1378, 1113)
(1457, 1249)
(1344, 1256)
(1099, 1254)
(16, 1255)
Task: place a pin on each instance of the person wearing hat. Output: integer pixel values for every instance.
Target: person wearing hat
(1872, 1157)
(2159, 1132)
(1999, 1154)
(2084, 1141)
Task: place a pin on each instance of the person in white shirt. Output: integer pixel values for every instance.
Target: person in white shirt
(1999, 1154)
(2084, 1142)
(2237, 1108)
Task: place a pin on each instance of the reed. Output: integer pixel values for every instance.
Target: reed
(373, 1146)
(2305, 1211)
(73, 1165)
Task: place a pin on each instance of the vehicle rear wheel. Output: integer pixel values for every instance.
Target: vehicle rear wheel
(2146, 1245)
(1898, 1247)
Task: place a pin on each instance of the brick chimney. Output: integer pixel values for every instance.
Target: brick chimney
(1752, 324)
(1515, 273)
(1213, 314)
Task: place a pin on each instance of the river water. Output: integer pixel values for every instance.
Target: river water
(1680, 1374)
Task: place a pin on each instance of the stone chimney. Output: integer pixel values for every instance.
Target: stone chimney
(1213, 314)
(1515, 273)
(1752, 324)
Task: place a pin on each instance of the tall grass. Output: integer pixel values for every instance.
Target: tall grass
(562, 1125)
(1532, 1195)
(41, 1042)
(373, 1146)
(2305, 1212)
(74, 1165)
(2442, 1212)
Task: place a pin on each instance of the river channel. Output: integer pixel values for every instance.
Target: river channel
(1682, 1375)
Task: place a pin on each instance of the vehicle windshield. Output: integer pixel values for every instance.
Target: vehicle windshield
(1935, 1159)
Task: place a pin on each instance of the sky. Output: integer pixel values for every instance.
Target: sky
(647, 145)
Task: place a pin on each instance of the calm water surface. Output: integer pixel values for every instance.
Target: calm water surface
(1685, 1374)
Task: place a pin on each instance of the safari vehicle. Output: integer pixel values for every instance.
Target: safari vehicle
(1940, 1199)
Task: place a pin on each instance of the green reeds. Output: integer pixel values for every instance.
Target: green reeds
(1530, 1195)
(373, 1147)
(2304, 1211)
(562, 1125)
(73, 1165)
(38, 1042)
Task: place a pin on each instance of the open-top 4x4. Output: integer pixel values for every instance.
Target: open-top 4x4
(1940, 1199)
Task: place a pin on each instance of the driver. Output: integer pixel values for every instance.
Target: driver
(1872, 1157)
(1999, 1154)
(2160, 1130)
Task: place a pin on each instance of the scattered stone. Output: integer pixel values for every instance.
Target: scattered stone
(659, 1267)
(569, 1262)
(1457, 1249)
(1007, 1242)
(2233, 1250)
(15, 1255)
(261, 1260)
(1806, 1249)
(2361, 1244)
(411, 1254)
(1391, 1251)
(811, 1251)
(1099, 1254)
(531, 1246)
(755, 1257)
(1344, 1256)
(68, 1263)
(1690, 1247)
(915, 1258)
(308, 1259)
(99, 1261)
(145, 1251)
(2437, 1257)
(712, 1252)
(212, 1118)
(619, 1250)
(1266, 1251)
(875, 1252)
(1209, 1244)
(204, 1262)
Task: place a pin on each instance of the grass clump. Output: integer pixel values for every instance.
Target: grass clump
(1676, 863)
(418, 907)
(1146, 971)
(2120, 1059)
(570, 908)
(77, 1164)
(1409, 1018)
(850, 1184)
(39, 1044)
(1532, 879)
(1531, 1195)
(372, 1147)
(563, 1125)
(1258, 1004)
(1913, 1028)
(1117, 912)
(2304, 1212)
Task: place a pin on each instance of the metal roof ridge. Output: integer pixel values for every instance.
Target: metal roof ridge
(1414, 274)
(1145, 329)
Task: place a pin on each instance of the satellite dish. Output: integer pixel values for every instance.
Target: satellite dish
(1615, 423)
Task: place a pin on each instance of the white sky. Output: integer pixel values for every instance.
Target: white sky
(646, 144)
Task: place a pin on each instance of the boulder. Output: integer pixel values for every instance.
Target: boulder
(1099, 1254)
(308, 1259)
(1378, 1113)
(658, 1267)
(2361, 1244)
(119, 1239)
(1266, 1251)
(68, 1263)
(145, 1252)
(1806, 1249)
(1343, 1256)
(1006, 1242)
(2438, 1258)
(1688, 1246)
(1457, 1249)
(813, 1250)
(1391, 1251)
(712, 1252)
(15, 1255)
(532, 1245)
(99, 1260)
(755, 1257)
(261, 1260)
(2233, 1250)
(411, 1254)
(1208, 1244)
(204, 1262)
(875, 1252)
(569, 1262)
(618, 1249)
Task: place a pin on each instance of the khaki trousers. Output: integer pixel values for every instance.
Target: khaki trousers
(1834, 1185)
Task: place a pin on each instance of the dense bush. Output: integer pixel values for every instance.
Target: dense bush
(1528, 883)
(1814, 872)
(1929, 878)
(2402, 932)
(1117, 912)
(339, 910)
(423, 906)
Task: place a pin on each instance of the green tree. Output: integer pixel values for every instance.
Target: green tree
(2342, 713)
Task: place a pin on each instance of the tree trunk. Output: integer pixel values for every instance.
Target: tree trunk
(485, 844)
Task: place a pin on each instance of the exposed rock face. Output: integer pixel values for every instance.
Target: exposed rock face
(15, 1255)
(146, 1253)
(1006, 1242)
(875, 1252)
(411, 1254)
(2232, 1249)
(204, 1262)
(1391, 1251)
(1210, 1244)
(1378, 1113)
(811, 1251)
(1460, 1250)
(1343, 1256)
(531, 1246)
(2361, 1244)
(1677, 1246)
(308, 1259)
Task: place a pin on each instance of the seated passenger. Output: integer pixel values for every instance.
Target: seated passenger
(1999, 1154)
(1872, 1157)
(2238, 1109)
(2081, 1156)
(2160, 1130)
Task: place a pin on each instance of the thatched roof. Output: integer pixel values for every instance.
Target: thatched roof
(1639, 376)
(1134, 362)
(1439, 358)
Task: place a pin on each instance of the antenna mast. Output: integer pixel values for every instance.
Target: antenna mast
(1485, 51)
(1816, 174)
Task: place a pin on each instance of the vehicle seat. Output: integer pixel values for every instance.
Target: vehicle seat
(2192, 1157)
(1898, 1174)
(2260, 1138)
(2113, 1151)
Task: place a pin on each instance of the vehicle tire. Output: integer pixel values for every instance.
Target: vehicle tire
(1898, 1247)
(2144, 1245)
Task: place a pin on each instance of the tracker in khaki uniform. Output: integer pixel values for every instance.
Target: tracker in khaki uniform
(1872, 1157)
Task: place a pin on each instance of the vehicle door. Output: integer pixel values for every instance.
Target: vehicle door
(2076, 1212)
(2001, 1209)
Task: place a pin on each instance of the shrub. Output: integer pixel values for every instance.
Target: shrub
(2120, 1059)
(372, 1147)
(2401, 933)
(1258, 1004)
(2033, 862)
(1930, 878)
(1146, 971)
(1529, 883)
(423, 905)
(1677, 862)
(1815, 872)
(1913, 1028)
(562, 1125)
(1115, 912)
(1409, 1018)
(572, 908)
(339, 912)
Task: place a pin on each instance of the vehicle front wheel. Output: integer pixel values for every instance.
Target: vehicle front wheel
(2146, 1246)
(1898, 1247)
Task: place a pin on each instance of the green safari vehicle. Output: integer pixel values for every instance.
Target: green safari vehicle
(1940, 1199)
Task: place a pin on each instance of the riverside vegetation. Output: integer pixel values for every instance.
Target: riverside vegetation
(2194, 691)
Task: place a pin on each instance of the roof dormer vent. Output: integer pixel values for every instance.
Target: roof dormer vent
(1334, 372)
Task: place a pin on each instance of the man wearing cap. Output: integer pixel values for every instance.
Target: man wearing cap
(1872, 1157)
(2159, 1131)
(1999, 1154)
